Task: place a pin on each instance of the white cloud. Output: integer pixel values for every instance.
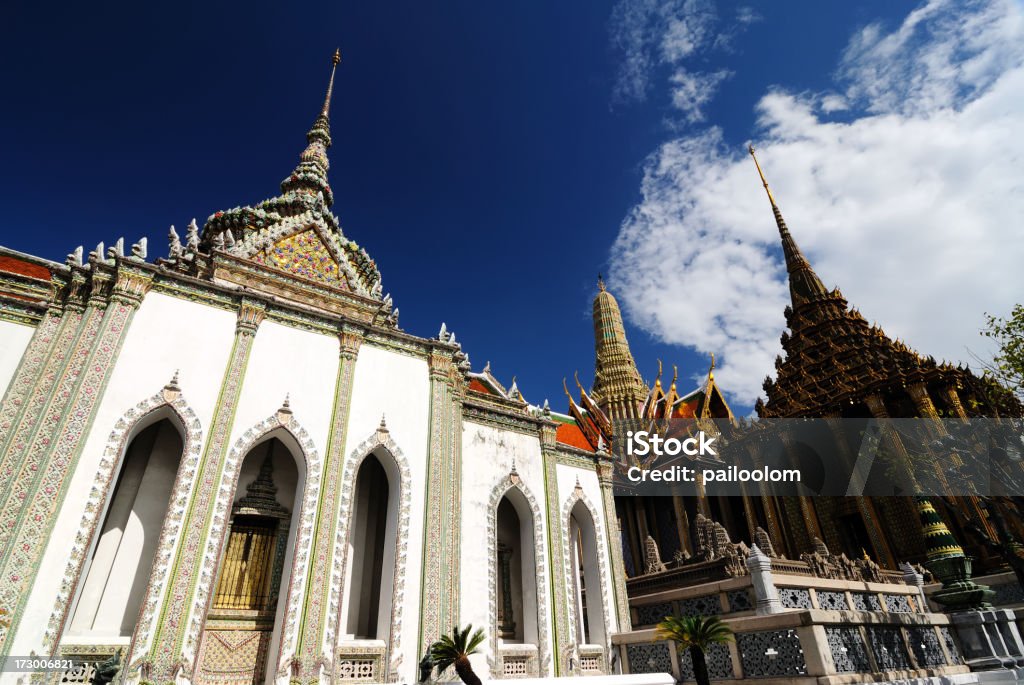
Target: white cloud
(913, 206)
(692, 90)
(655, 37)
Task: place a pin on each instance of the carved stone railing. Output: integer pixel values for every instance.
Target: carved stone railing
(810, 646)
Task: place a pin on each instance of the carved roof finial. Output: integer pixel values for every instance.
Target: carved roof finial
(335, 61)
(711, 369)
(383, 427)
(173, 383)
(600, 283)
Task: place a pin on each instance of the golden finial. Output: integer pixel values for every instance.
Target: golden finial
(711, 371)
(600, 283)
(675, 376)
(335, 60)
(771, 198)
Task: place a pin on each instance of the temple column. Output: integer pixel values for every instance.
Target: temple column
(439, 600)
(768, 503)
(879, 543)
(807, 510)
(925, 407)
(176, 639)
(953, 400)
(561, 644)
(605, 473)
(317, 634)
(682, 524)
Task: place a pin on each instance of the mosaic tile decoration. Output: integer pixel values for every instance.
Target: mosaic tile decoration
(304, 254)
(504, 485)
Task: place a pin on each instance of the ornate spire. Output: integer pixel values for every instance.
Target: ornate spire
(804, 284)
(618, 388)
(310, 176)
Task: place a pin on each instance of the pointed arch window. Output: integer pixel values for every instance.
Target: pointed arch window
(117, 573)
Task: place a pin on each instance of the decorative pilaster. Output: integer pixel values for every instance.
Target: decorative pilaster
(439, 605)
(315, 644)
(605, 473)
(865, 504)
(50, 456)
(40, 348)
(180, 618)
(561, 637)
(953, 399)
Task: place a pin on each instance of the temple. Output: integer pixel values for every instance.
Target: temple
(232, 465)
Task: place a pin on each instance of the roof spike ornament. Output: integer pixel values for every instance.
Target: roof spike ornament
(804, 284)
(174, 248)
(140, 249)
(74, 257)
(117, 249)
(97, 254)
(192, 236)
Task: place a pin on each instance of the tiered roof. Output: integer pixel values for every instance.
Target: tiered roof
(834, 358)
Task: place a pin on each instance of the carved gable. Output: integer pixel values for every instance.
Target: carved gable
(304, 254)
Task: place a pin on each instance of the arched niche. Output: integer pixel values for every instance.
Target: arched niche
(372, 547)
(253, 592)
(115, 576)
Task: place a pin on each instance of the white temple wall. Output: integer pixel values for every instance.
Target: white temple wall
(166, 334)
(396, 386)
(487, 457)
(14, 339)
(588, 480)
(289, 361)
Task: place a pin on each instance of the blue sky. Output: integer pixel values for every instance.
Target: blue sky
(494, 158)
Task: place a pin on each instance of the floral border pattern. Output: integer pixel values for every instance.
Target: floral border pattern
(602, 555)
(99, 495)
(508, 482)
(215, 534)
(381, 438)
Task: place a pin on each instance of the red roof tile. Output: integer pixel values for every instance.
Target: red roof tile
(475, 384)
(24, 268)
(570, 434)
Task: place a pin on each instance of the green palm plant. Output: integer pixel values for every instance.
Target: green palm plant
(695, 633)
(454, 650)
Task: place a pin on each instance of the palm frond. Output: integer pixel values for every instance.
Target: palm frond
(694, 631)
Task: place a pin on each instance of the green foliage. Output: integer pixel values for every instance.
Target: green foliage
(696, 634)
(454, 650)
(1007, 366)
(694, 631)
